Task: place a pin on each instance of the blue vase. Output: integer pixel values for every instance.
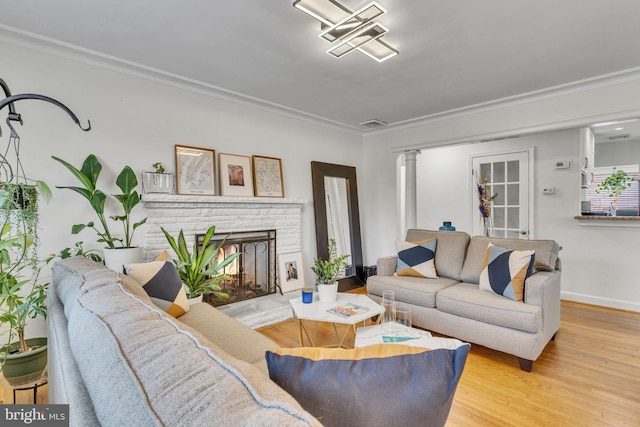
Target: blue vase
(446, 226)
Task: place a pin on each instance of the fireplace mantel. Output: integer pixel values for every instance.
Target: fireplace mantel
(152, 199)
(195, 214)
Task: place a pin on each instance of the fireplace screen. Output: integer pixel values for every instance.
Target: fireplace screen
(253, 273)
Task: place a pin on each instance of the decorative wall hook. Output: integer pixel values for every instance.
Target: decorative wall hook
(14, 116)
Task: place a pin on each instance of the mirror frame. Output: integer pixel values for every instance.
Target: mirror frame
(318, 172)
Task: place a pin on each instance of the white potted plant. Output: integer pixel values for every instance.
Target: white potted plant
(327, 271)
(119, 251)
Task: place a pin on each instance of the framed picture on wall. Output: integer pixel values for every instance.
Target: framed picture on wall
(195, 170)
(236, 178)
(267, 176)
(290, 271)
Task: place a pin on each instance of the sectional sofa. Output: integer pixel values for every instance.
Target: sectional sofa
(454, 305)
(119, 360)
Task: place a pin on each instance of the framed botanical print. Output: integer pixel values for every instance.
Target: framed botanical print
(267, 176)
(195, 170)
(236, 178)
(290, 271)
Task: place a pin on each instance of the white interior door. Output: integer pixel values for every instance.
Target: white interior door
(508, 176)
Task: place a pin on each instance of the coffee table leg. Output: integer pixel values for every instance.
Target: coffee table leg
(300, 337)
(304, 329)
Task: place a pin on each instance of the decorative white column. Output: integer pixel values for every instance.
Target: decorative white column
(411, 204)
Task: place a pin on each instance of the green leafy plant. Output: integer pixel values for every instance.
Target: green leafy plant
(88, 176)
(200, 270)
(327, 271)
(77, 250)
(22, 293)
(159, 168)
(615, 184)
(18, 302)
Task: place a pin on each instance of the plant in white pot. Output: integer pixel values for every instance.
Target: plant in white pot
(327, 272)
(202, 269)
(119, 251)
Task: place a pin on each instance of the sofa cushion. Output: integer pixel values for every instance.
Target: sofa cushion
(467, 300)
(505, 271)
(237, 339)
(159, 278)
(546, 254)
(451, 250)
(417, 258)
(152, 371)
(412, 290)
(376, 385)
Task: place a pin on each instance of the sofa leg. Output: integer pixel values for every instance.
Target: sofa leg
(525, 365)
(553, 338)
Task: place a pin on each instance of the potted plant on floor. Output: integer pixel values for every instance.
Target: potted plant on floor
(22, 297)
(119, 251)
(200, 270)
(327, 272)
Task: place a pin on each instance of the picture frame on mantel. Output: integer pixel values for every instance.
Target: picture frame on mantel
(236, 178)
(290, 271)
(195, 171)
(267, 176)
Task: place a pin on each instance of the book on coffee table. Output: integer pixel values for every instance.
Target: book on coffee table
(347, 310)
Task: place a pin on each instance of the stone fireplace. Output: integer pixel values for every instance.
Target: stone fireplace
(243, 217)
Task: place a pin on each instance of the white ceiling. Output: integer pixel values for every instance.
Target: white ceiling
(453, 53)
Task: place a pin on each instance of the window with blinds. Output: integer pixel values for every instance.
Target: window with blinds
(627, 203)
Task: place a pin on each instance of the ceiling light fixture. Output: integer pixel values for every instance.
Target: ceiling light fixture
(349, 30)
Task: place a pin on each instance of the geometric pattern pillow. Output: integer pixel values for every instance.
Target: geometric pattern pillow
(504, 271)
(417, 258)
(380, 384)
(162, 283)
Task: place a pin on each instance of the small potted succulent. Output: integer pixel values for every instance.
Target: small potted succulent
(327, 272)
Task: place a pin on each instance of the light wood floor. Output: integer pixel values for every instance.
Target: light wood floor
(588, 376)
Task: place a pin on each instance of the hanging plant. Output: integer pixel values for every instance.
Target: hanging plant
(20, 205)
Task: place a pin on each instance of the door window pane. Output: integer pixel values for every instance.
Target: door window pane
(500, 190)
(498, 172)
(513, 218)
(485, 171)
(513, 194)
(513, 171)
(498, 217)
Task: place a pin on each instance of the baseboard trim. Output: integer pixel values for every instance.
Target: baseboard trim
(600, 301)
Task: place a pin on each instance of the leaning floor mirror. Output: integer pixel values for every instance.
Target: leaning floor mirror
(335, 198)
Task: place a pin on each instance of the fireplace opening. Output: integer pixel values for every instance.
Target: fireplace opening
(253, 273)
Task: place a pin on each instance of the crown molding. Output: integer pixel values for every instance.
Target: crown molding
(592, 83)
(72, 52)
(75, 53)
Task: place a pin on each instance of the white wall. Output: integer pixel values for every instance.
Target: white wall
(599, 264)
(136, 122)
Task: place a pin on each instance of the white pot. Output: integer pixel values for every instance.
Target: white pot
(115, 259)
(195, 300)
(328, 293)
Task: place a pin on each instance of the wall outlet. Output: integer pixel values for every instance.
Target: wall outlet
(562, 164)
(547, 191)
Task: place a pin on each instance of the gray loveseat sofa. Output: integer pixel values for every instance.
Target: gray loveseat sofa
(454, 305)
(118, 360)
